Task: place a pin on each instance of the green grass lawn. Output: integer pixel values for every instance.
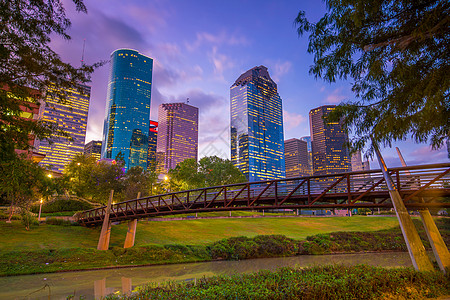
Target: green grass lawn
(187, 232)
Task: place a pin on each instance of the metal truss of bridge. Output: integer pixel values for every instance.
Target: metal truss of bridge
(419, 186)
(414, 188)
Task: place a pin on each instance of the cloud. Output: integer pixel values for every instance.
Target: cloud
(292, 120)
(221, 38)
(221, 62)
(425, 155)
(335, 97)
(279, 69)
(164, 76)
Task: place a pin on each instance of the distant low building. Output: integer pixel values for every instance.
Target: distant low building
(93, 149)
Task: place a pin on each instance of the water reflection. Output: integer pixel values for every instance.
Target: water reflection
(99, 283)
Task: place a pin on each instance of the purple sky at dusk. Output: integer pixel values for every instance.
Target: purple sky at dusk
(199, 49)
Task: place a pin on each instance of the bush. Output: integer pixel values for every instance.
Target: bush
(60, 222)
(28, 219)
(59, 205)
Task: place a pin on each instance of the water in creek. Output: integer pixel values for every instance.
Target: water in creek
(99, 283)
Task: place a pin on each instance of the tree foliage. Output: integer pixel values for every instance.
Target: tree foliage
(23, 182)
(397, 55)
(28, 65)
(94, 180)
(209, 171)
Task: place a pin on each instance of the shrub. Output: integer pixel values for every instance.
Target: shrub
(59, 205)
(28, 219)
(60, 222)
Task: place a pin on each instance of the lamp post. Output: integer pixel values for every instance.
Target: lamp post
(40, 209)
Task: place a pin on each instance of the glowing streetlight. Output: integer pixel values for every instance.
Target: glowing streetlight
(49, 175)
(166, 178)
(40, 209)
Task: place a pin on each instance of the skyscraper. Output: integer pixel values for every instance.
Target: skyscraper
(93, 149)
(257, 142)
(70, 116)
(329, 152)
(177, 134)
(307, 139)
(152, 140)
(128, 108)
(296, 157)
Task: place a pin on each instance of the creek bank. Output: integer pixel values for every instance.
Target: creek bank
(21, 262)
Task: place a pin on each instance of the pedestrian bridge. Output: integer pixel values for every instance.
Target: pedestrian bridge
(422, 186)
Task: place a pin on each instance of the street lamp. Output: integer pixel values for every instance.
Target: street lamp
(40, 209)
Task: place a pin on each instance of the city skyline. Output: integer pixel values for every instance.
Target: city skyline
(200, 48)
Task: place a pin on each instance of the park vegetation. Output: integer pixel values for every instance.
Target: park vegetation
(396, 55)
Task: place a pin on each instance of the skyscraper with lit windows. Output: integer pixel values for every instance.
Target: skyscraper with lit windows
(257, 141)
(128, 108)
(296, 158)
(70, 116)
(177, 134)
(329, 152)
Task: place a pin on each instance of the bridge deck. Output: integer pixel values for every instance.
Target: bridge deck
(419, 186)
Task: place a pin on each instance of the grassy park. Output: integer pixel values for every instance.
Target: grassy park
(186, 232)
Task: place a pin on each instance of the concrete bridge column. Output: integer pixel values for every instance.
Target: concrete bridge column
(103, 241)
(131, 232)
(437, 243)
(416, 250)
(440, 250)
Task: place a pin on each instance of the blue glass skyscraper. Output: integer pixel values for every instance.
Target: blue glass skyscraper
(257, 141)
(128, 108)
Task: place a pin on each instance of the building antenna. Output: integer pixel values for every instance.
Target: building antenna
(187, 101)
(82, 54)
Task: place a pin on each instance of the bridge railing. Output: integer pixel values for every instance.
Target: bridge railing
(333, 190)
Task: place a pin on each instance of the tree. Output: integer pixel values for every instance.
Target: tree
(138, 180)
(28, 65)
(94, 180)
(78, 174)
(397, 54)
(22, 182)
(209, 171)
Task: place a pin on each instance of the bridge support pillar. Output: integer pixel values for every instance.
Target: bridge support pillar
(416, 250)
(131, 234)
(103, 241)
(437, 243)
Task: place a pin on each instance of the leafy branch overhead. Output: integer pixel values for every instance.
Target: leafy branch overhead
(28, 65)
(397, 55)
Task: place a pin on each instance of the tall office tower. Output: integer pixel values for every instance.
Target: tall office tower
(308, 140)
(93, 149)
(177, 134)
(70, 116)
(257, 142)
(152, 139)
(329, 152)
(296, 157)
(128, 108)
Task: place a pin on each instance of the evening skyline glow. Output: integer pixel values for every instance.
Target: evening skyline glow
(199, 48)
